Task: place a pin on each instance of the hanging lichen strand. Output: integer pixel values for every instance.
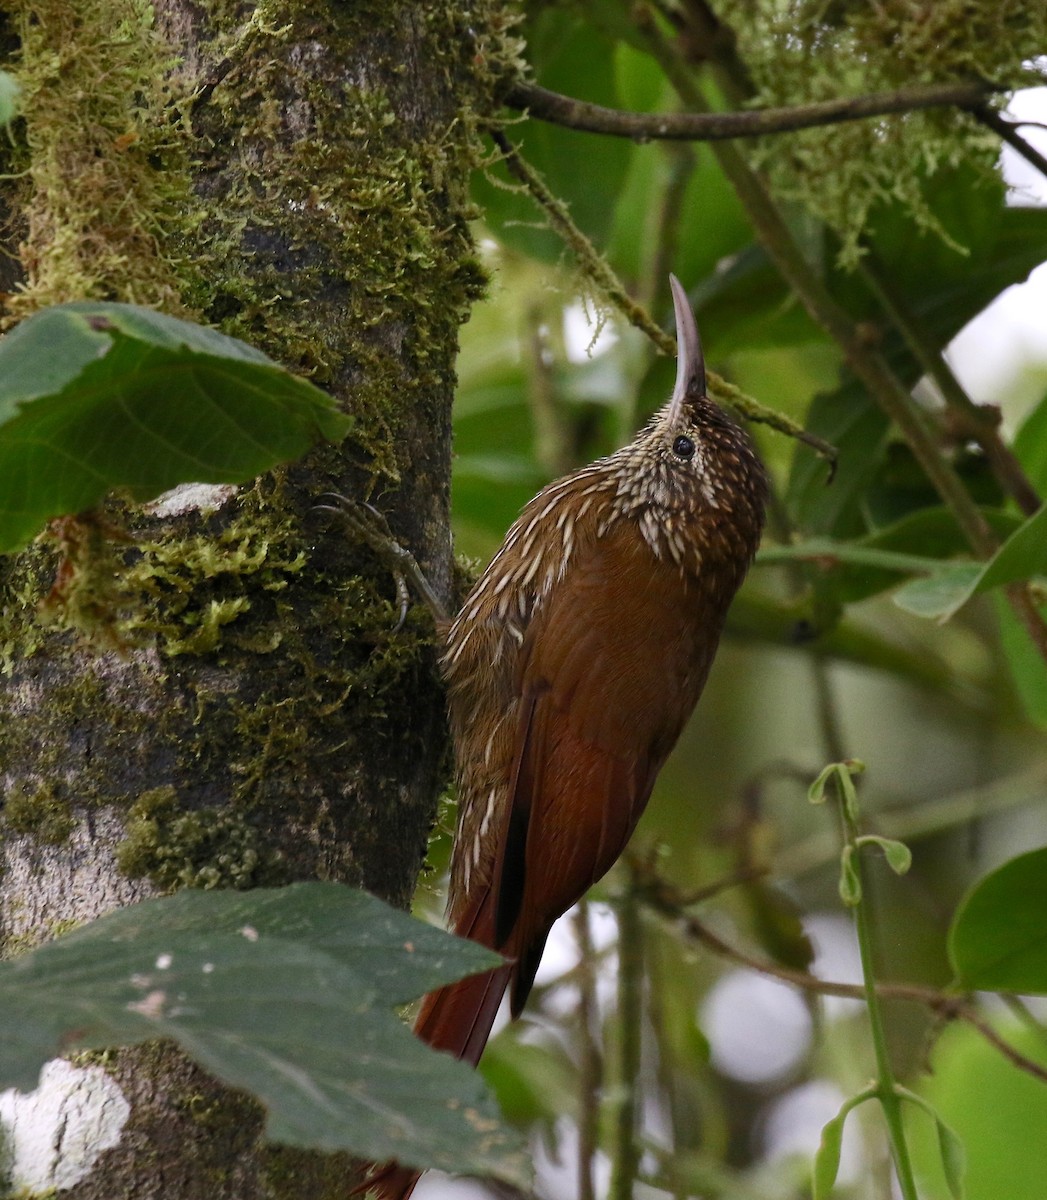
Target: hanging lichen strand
(105, 185)
(808, 50)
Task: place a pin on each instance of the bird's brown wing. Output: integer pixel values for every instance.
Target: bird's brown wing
(603, 701)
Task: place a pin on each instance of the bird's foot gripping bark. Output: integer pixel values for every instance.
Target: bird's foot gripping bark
(368, 525)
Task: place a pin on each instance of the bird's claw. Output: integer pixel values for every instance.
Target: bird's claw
(371, 526)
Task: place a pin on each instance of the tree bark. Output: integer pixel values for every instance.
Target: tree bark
(262, 720)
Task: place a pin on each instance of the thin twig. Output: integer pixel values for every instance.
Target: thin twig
(595, 266)
(590, 1070)
(975, 421)
(662, 897)
(1009, 133)
(589, 258)
(709, 127)
(626, 1151)
(882, 384)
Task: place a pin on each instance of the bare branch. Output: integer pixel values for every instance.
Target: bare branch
(1008, 131)
(663, 898)
(597, 269)
(711, 127)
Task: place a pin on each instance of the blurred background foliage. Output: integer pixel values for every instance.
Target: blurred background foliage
(647, 1065)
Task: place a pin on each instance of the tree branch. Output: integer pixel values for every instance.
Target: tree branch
(869, 366)
(710, 127)
(1008, 132)
(663, 898)
(978, 422)
(596, 267)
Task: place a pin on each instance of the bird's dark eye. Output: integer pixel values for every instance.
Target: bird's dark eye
(683, 447)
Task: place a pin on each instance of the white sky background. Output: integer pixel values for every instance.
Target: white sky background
(1001, 358)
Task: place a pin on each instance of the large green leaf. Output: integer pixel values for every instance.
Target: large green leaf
(98, 396)
(848, 420)
(1022, 556)
(998, 939)
(919, 544)
(998, 1111)
(1024, 659)
(287, 993)
(944, 289)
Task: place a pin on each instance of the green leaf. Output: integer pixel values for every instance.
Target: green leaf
(998, 939)
(944, 290)
(1030, 445)
(997, 1110)
(827, 1156)
(98, 396)
(855, 426)
(1022, 556)
(816, 792)
(287, 993)
(530, 1082)
(950, 1148)
(943, 592)
(954, 1158)
(898, 854)
(850, 881)
(1025, 661)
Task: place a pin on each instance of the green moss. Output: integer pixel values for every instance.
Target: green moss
(187, 592)
(39, 813)
(349, 258)
(107, 177)
(386, 206)
(23, 581)
(204, 848)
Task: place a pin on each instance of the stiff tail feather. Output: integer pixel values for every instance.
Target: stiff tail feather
(457, 1019)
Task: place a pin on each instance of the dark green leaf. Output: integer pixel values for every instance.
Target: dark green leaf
(998, 939)
(1025, 661)
(98, 396)
(741, 301)
(944, 289)
(287, 993)
(856, 427)
(1030, 445)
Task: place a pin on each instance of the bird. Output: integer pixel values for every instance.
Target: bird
(571, 670)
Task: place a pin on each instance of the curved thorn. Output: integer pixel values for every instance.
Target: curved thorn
(690, 362)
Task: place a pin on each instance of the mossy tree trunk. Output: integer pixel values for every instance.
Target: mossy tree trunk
(261, 719)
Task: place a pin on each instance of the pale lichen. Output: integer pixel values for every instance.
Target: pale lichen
(809, 50)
